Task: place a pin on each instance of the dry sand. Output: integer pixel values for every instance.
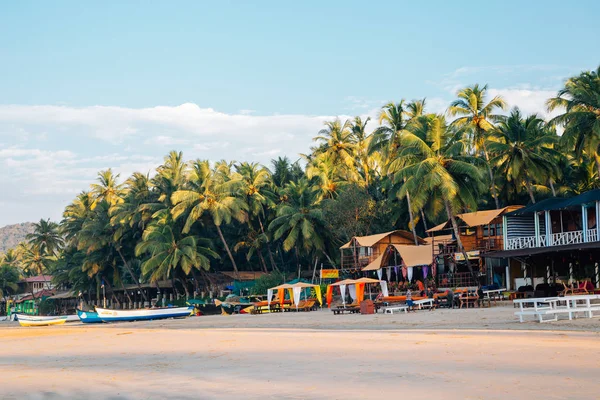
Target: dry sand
(462, 354)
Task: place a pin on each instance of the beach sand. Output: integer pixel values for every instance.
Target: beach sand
(449, 354)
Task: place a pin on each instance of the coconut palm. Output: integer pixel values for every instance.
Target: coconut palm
(257, 187)
(335, 142)
(580, 99)
(9, 279)
(254, 242)
(35, 262)
(299, 220)
(524, 150)
(75, 215)
(394, 119)
(325, 175)
(46, 237)
(210, 193)
(107, 188)
(368, 163)
(477, 118)
(169, 255)
(436, 165)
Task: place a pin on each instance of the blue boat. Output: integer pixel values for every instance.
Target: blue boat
(146, 314)
(88, 317)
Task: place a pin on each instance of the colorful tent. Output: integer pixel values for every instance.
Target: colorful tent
(357, 289)
(294, 291)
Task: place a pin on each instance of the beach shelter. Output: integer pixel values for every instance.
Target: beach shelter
(280, 293)
(297, 291)
(342, 284)
(382, 283)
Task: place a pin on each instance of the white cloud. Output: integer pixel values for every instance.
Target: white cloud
(530, 101)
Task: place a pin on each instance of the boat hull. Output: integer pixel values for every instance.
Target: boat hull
(45, 322)
(107, 315)
(89, 317)
(67, 318)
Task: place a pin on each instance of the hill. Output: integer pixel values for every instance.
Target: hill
(12, 235)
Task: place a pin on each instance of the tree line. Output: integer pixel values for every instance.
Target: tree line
(414, 170)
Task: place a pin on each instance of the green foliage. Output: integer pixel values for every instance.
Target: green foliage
(406, 170)
(266, 282)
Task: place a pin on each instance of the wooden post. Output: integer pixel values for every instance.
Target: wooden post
(536, 221)
(548, 228)
(598, 220)
(504, 233)
(584, 222)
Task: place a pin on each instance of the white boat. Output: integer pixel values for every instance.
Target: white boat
(147, 314)
(67, 318)
(45, 322)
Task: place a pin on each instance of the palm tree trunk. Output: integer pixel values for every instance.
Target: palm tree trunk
(461, 248)
(135, 279)
(271, 259)
(551, 182)
(329, 258)
(491, 174)
(424, 220)
(262, 260)
(529, 189)
(297, 261)
(412, 220)
(235, 268)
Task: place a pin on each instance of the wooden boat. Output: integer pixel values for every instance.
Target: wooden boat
(147, 314)
(88, 317)
(44, 322)
(67, 318)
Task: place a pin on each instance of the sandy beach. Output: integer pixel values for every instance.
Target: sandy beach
(473, 354)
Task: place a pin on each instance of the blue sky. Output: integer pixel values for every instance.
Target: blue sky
(119, 84)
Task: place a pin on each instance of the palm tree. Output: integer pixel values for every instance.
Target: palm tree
(336, 143)
(300, 222)
(169, 255)
(367, 162)
(580, 98)
(74, 216)
(257, 187)
(209, 193)
(34, 261)
(107, 188)
(254, 241)
(46, 237)
(394, 120)
(523, 150)
(478, 118)
(281, 171)
(325, 174)
(9, 279)
(436, 165)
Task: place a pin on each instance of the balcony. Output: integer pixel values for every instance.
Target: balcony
(555, 239)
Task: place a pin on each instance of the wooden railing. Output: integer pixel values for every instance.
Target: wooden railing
(555, 239)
